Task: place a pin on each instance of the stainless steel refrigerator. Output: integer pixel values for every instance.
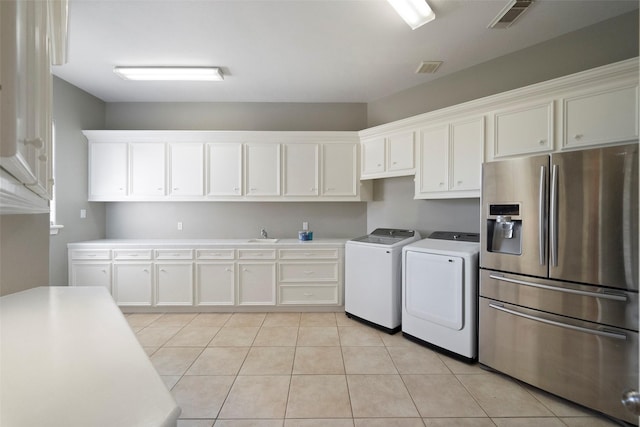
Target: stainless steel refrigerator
(559, 274)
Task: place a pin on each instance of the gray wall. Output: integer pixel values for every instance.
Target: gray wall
(609, 41)
(237, 116)
(234, 219)
(24, 245)
(73, 110)
(393, 206)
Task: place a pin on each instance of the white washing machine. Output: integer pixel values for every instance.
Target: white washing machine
(373, 277)
(440, 293)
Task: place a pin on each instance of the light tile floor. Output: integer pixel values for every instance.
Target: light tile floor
(326, 370)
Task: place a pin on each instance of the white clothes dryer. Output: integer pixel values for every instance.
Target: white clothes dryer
(373, 277)
(440, 293)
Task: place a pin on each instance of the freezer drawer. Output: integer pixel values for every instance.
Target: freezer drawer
(581, 361)
(591, 303)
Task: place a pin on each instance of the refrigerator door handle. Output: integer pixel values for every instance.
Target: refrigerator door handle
(553, 218)
(541, 214)
(607, 334)
(613, 297)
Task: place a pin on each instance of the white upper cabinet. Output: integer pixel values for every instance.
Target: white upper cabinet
(450, 160)
(224, 170)
(25, 113)
(340, 169)
(400, 153)
(108, 170)
(434, 159)
(186, 169)
(300, 170)
(262, 169)
(526, 129)
(147, 169)
(388, 156)
(373, 156)
(467, 144)
(601, 116)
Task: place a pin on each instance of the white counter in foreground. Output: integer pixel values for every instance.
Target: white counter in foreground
(68, 358)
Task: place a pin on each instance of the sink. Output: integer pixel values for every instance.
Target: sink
(262, 240)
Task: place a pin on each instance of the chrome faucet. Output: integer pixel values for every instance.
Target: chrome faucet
(263, 233)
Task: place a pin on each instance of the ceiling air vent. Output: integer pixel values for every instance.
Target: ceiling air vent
(512, 11)
(428, 67)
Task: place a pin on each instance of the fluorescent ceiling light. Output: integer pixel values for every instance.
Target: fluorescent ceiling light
(170, 73)
(415, 12)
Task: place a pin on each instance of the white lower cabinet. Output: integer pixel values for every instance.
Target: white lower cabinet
(133, 283)
(256, 283)
(215, 283)
(174, 283)
(218, 276)
(91, 274)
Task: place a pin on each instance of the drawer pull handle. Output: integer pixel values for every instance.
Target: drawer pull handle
(145, 270)
(308, 272)
(104, 271)
(308, 294)
(560, 324)
(92, 255)
(613, 297)
(229, 270)
(163, 270)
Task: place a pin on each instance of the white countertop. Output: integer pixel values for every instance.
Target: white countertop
(195, 243)
(69, 358)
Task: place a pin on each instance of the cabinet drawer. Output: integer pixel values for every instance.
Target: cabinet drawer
(131, 254)
(311, 272)
(309, 253)
(215, 253)
(256, 254)
(174, 254)
(91, 254)
(308, 295)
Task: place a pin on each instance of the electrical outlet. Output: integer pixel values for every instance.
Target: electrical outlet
(179, 226)
(305, 226)
(83, 213)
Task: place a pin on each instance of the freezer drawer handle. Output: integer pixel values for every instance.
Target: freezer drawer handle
(560, 324)
(614, 297)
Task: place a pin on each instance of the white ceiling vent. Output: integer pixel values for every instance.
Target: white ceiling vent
(512, 11)
(428, 67)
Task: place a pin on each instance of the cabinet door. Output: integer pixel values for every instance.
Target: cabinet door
(91, 274)
(132, 284)
(186, 169)
(601, 117)
(26, 106)
(215, 283)
(262, 169)
(107, 171)
(400, 152)
(147, 169)
(339, 169)
(300, 169)
(373, 156)
(174, 284)
(467, 142)
(256, 283)
(40, 101)
(524, 130)
(224, 170)
(434, 160)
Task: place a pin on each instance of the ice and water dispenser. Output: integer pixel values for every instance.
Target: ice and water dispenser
(504, 229)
